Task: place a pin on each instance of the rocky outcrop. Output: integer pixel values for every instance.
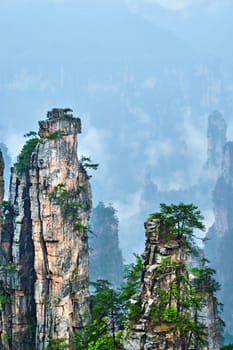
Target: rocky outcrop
(50, 199)
(173, 313)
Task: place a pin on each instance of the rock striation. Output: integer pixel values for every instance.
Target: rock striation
(168, 310)
(46, 241)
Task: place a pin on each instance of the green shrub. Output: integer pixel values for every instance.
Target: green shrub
(55, 135)
(24, 158)
(170, 314)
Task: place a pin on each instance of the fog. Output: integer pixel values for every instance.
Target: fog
(143, 76)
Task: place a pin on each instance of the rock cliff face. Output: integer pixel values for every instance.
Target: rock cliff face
(219, 247)
(47, 250)
(168, 313)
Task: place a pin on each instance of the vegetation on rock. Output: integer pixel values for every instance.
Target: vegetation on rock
(24, 157)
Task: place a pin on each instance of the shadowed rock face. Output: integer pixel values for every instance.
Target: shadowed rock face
(48, 252)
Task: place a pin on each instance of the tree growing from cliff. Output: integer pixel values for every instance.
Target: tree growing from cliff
(180, 303)
(184, 219)
(130, 289)
(103, 333)
(24, 157)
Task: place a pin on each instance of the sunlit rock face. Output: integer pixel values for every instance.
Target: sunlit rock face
(165, 285)
(51, 201)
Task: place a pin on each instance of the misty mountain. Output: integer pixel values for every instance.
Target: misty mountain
(142, 89)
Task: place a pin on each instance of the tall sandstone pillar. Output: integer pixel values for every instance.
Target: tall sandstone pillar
(49, 269)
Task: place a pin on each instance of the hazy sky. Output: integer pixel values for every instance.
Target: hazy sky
(143, 75)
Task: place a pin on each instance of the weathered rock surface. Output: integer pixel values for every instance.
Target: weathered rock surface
(48, 249)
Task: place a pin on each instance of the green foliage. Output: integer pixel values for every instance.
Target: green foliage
(57, 344)
(170, 314)
(227, 347)
(86, 163)
(189, 329)
(104, 300)
(31, 134)
(204, 280)
(3, 299)
(68, 203)
(78, 225)
(132, 283)
(24, 158)
(102, 333)
(10, 267)
(130, 288)
(67, 110)
(105, 342)
(135, 309)
(80, 341)
(183, 217)
(157, 311)
(55, 135)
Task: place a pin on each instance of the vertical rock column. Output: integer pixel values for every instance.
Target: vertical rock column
(49, 267)
(60, 205)
(163, 260)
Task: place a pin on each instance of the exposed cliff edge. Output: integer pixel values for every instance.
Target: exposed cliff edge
(177, 308)
(45, 238)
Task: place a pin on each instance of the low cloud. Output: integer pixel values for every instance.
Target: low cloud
(24, 81)
(184, 6)
(156, 150)
(176, 5)
(93, 143)
(14, 142)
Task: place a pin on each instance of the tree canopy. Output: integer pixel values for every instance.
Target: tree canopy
(184, 217)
